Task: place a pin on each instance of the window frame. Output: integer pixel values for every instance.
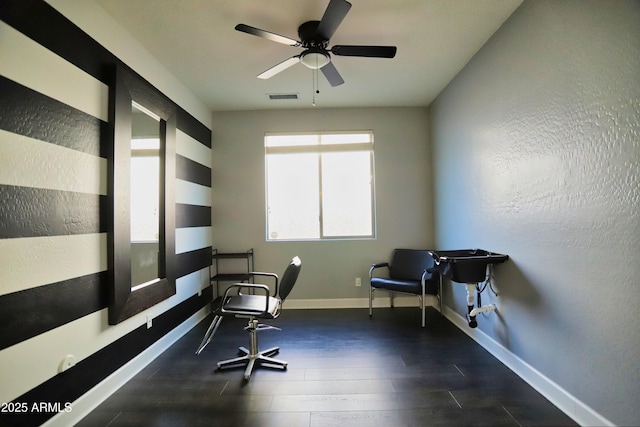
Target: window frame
(318, 149)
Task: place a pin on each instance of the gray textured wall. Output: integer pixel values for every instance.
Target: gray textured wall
(536, 151)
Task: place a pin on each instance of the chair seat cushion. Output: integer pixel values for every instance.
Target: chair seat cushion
(397, 285)
(252, 305)
(408, 286)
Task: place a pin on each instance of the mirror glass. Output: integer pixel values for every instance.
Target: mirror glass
(144, 197)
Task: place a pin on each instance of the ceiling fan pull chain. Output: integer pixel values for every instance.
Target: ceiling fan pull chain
(314, 77)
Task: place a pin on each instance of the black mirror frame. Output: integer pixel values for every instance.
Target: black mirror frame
(127, 87)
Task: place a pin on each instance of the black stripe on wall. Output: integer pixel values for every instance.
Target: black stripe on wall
(188, 170)
(189, 262)
(30, 312)
(26, 112)
(192, 216)
(73, 383)
(192, 127)
(77, 297)
(42, 23)
(35, 212)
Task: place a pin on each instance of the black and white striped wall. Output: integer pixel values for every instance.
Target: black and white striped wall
(53, 215)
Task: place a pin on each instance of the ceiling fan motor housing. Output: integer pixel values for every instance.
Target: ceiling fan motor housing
(309, 36)
(315, 56)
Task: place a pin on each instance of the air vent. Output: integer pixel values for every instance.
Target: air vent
(277, 96)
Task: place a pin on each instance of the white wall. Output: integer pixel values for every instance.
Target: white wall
(403, 191)
(537, 155)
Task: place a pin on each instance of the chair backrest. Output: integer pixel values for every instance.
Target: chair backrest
(289, 278)
(409, 264)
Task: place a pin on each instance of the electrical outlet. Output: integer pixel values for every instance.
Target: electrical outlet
(149, 321)
(358, 281)
(68, 362)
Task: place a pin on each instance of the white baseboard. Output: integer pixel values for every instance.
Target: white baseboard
(398, 301)
(567, 403)
(94, 397)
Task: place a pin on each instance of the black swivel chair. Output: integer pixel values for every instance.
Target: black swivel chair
(259, 304)
(410, 271)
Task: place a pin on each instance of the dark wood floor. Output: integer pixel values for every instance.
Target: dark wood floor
(344, 370)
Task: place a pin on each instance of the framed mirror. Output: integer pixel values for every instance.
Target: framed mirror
(141, 176)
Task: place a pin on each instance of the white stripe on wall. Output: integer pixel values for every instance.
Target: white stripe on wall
(190, 193)
(192, 238)
(29, 162)
(31, 366)
(192, 149)
(30, 64)
(36, 261)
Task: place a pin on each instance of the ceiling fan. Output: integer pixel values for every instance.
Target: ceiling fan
(315, 37)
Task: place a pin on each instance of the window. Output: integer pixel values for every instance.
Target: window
(320, 186)
(145, 190)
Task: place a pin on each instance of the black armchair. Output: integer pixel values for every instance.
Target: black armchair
(410, 271)
(259, 304)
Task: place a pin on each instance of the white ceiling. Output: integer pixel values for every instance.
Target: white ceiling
(196, 41)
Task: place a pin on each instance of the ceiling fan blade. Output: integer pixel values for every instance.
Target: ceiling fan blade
(267, 35)
(332, 74)
(367, 51)
(333, 16)
(280, 67)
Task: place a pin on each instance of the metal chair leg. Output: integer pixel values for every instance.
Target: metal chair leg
(440, 295)
(371, 289)
(235, 362)
(209, 334)
(270, 352)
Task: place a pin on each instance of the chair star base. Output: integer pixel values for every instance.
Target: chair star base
(261, 359)
(252, 357)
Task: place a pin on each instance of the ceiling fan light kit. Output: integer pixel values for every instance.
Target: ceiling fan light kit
(315, 36)
(314, 59)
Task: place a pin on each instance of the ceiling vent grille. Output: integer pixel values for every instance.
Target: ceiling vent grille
(278, 96)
